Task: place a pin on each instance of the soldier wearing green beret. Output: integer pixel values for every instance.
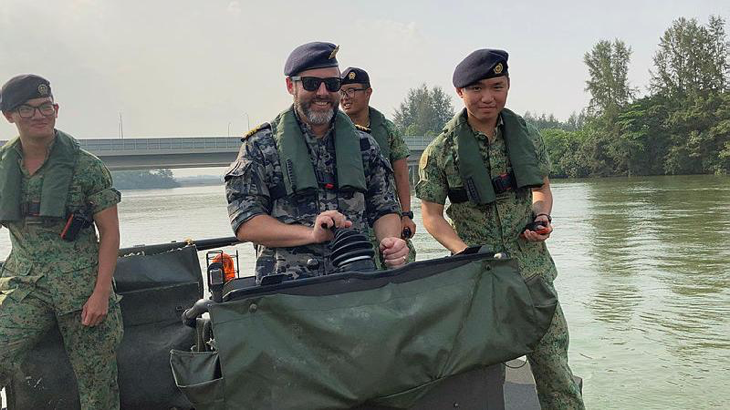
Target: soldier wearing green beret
(307, 170)
(494, 169)
(355, 101)
(52, 193)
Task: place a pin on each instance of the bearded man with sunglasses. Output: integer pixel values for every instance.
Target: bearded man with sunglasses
(308, 170)
(52, 193)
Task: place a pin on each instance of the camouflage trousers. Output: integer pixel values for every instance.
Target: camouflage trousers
(556, 388)
(91, 350)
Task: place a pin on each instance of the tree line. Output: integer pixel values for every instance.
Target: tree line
(680, 126)
(144, 179)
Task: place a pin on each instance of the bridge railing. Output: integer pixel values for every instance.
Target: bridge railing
(164, 144)
(131, 146)
(417, 142)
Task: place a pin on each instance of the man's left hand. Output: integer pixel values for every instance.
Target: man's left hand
(395, 251)
(95, 309)
(533, 236)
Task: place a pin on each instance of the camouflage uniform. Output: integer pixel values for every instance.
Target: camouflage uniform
(398, 150)
(498, 226)
(257, 170)
(47, 280)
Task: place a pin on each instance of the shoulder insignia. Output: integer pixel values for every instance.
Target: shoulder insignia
(423, 161)
(363, 129)
(255, 130)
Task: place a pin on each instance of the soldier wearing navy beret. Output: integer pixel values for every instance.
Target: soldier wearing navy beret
(51, 276)
(355, 101)
(307, 170)
(494, 168)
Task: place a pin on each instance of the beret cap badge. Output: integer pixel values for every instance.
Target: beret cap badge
(42, 89)
(334, 52)
(352, 75)
(498, 68)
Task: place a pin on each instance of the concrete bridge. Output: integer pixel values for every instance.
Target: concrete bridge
(191, 152)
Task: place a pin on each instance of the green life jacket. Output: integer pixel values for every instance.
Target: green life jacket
(56, 181)
(296, 165)
(474, 174)
(380, 132)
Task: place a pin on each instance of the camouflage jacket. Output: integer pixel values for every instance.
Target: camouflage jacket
(257, 171)
(398, 147)
(499, 224)
(37, 248)
(396, 143)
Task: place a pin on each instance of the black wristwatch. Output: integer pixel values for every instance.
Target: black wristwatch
(550, 218)
(407, 213)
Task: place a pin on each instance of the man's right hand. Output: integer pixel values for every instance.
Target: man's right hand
(326, 220)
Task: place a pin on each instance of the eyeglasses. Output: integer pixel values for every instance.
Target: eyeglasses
(312, 83)
(28, 111)
(350, 92)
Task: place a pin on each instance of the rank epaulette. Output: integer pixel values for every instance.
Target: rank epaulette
(363, 129)
(255, 130)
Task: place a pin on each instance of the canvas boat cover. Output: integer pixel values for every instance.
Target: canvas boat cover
(383, 338)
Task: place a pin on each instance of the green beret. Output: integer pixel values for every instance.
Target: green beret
(22, 88)
(481, 64)
(309, 56)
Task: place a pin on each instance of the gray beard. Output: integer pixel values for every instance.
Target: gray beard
(315, 118)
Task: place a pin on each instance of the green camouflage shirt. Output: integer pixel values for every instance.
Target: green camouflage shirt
(37, 248)
(398, 147)
(249, 183)
(497, 225)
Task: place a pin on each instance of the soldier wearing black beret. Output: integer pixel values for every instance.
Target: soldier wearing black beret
(54, 277)
(500, 198)
(311, 148)
(355, 101)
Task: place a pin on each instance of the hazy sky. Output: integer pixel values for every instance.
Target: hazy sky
(202, 67)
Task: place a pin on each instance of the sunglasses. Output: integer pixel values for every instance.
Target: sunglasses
(312, 83)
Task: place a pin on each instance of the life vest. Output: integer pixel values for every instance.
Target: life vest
(296, 165)
(478, 186)
(379, 131)
(56, 182)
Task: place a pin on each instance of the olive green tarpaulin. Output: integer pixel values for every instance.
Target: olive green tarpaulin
(382, 338)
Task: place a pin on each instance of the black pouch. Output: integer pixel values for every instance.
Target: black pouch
(75, 223)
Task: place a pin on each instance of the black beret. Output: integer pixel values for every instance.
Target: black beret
(22, 88)
(481, 64)
(309, 56)
(354, 75)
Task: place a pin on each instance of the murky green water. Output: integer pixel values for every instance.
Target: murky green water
(644, 279)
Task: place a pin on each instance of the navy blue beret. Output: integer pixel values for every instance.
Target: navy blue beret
(481, 64)
(22, 88)
(354, 75)
(309, 56)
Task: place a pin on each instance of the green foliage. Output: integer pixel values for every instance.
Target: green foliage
(423, 111)
(682, 127)
(691, 59)
(145, 179)
(564, 149)
(544, 122)
(608, 82)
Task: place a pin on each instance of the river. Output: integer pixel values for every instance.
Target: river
(644, 278)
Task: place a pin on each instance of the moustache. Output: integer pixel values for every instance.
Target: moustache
(322, 99)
